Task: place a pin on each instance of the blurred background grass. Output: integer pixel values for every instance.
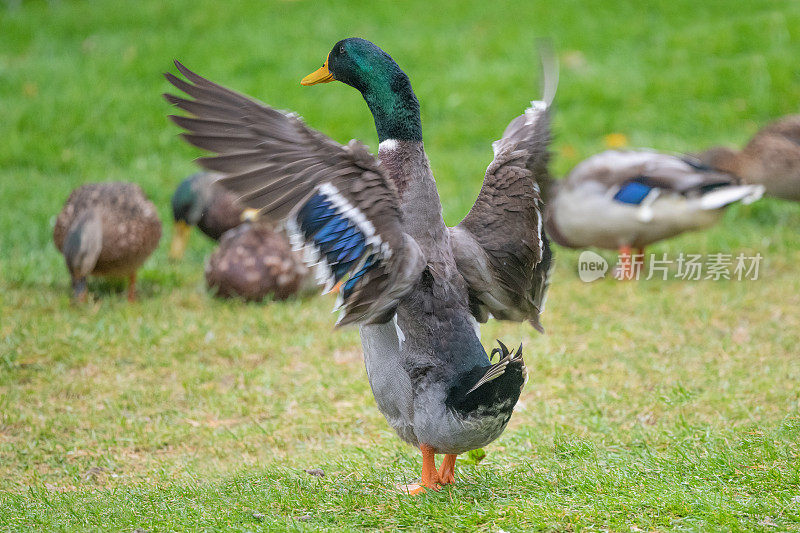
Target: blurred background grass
(661, 405)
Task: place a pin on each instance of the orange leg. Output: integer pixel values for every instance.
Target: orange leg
(447, 473)
(430, 476)
(132, 287)
(625, 268)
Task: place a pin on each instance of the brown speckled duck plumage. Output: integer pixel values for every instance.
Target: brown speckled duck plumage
(253, 262)
(106, 229)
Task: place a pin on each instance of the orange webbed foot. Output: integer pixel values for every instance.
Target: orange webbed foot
(430, 477)
(447, 472)
(413, 489)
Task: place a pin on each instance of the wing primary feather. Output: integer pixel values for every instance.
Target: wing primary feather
(549, 63)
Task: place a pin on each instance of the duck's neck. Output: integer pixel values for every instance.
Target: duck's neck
(397, 120)
(395, 109)
(408, 167)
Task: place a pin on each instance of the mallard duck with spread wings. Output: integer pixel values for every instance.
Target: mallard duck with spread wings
(374, 228)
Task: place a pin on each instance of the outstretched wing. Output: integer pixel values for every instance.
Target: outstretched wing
(500, 247)
(337, 201)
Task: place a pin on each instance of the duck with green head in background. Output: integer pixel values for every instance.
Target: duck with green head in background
(200, 202)
(253, 261)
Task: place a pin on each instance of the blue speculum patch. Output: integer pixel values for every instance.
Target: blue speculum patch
(340, 240)
(632, 192)
(314, 214)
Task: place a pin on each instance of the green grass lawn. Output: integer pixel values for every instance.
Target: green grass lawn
(658, 405)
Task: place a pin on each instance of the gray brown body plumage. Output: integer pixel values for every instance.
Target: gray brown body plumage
(486, 264)
(439, 340)
(415, 293)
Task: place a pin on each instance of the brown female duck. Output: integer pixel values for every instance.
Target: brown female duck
(252, 262)
(106, 229)
(771, 159)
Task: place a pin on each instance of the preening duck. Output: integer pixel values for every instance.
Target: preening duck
(375, 230)
(627, 200)
(771, 158)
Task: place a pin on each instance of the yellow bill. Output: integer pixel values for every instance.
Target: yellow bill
(180, 236)
(321, 75)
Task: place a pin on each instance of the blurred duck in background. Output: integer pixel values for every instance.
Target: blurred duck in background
(627, 200)
(771, 159)
(253, 262)
(200, 202)
(250, 264)
(106, 229)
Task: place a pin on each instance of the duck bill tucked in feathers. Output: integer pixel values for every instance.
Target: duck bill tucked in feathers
(628, 199)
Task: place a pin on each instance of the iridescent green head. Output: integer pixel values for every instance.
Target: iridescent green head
(386, 89)
(189, 201)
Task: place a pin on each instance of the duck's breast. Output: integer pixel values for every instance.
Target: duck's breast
(390, 383)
